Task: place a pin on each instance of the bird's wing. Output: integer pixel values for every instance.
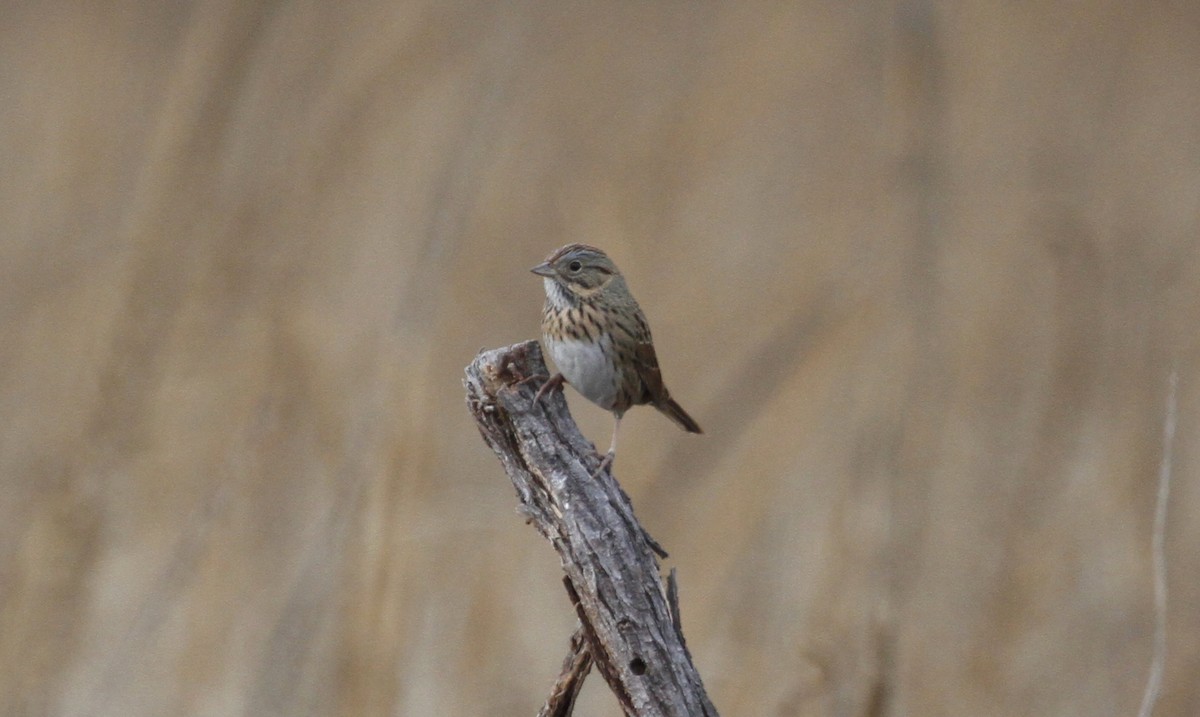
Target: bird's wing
(647, 368)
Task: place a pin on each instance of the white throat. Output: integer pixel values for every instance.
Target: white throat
(556, 294)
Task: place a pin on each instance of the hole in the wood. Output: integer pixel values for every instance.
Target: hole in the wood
(638, 666)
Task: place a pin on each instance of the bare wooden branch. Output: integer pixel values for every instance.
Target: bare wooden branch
(673, 604)
(611, 571)
(561, 702)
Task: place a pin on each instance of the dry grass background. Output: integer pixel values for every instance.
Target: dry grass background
(920, 269)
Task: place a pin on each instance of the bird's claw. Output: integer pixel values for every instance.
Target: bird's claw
(605, 463)
(551, 383)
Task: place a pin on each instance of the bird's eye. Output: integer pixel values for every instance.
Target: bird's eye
(575, 266)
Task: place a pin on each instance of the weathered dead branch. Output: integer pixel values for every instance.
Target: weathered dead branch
(628, 622)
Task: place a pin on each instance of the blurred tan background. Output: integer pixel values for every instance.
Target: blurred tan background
(920, 269)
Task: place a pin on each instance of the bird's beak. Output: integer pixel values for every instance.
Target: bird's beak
(543, 269)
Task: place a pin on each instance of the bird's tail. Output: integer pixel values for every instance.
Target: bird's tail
(675, 412)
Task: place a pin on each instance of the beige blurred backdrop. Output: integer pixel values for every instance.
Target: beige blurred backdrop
(921, 269)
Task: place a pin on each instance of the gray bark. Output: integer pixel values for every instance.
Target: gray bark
(629, 622)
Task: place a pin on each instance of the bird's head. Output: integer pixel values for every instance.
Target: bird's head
(580, 269)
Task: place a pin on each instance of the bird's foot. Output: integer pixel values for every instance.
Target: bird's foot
(605, 463)
(522, 380)
(555, 381)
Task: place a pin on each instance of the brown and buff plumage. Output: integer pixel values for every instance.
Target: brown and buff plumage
(598, 337)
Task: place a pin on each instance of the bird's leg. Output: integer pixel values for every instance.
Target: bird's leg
(551, 383)
(525, 379)
(607, 461)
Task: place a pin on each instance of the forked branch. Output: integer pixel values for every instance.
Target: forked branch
(630, 627)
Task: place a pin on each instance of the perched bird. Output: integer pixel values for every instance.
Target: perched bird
(594, 330)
